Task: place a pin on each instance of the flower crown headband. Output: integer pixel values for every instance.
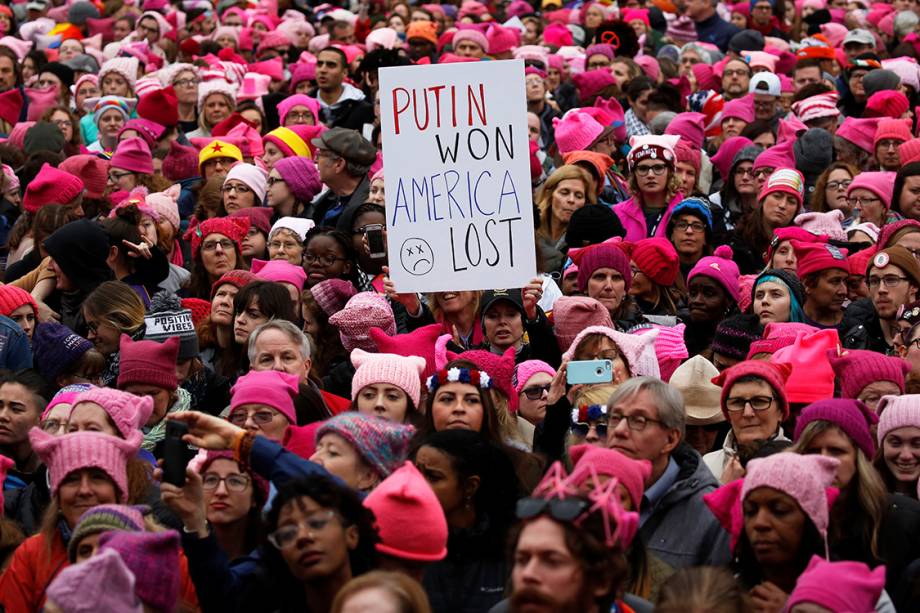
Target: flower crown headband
(477, 378)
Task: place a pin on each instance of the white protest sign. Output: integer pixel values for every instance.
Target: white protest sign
(457, 172)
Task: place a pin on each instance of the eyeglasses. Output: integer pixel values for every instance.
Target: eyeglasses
(838, 185)
(745, 171)
(567, 510)
(52, 426)
(272, 180)
(655, 169)
(739, 72)
(240, 189)
(694, 226)
(324, 260)
(235, 483)
(861, 201)
(758, 403)
(762, 173)
(223, 243)
(186, 83)
(299, 116)
(115, 176)
(582, 429)
(238, 418)
(284, 245)
(535, 392)
(889, 281)
(636, 423)
(287, 535)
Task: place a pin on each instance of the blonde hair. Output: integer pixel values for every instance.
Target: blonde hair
(435, 308)
(546, 191)
(596, 394)
(703, 589)
(116, 304)
(409, 595)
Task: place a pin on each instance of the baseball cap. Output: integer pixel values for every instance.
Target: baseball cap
(348, 144)
(37, 5)
(765, 83)
(859, 36)
(491, 296)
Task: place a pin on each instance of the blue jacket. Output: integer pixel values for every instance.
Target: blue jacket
(717, 31)
(15, 351)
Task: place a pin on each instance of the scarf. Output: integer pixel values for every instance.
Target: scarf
(157, 433)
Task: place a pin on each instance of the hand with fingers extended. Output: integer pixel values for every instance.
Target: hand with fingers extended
(207, 431)
(137, 250)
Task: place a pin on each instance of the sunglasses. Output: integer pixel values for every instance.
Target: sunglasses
(581, 429)
(535, 392)
(563, 510)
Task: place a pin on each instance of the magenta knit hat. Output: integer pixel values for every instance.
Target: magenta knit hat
(896, 129)
(608, 254)
(774, 374)
(719, 267)
(12, 297)
(909, 151)
(632, 346)
(133, 154)
(410, 520)
(333, 294)
(740, 108)
(362, 312)
(571, 314)
(724, 157)
(859, 131)
(129, 412)
(383, 444)
(592, 82)
(632, 474)
(402, 372)
(851, 416)
(812, 377)
(280, 271)
(51, 186)
(181, 162)
(857, 368)
(879, 183)
(153, 557)
(269, 388)
(301, 177)
(525, 370)
(777, 156)
(78, 450)
(576, 131)
(76, 588)
(420, 342)
(897, 412)
(838, 586)
(888, 105)
(148, 363)
(690, 127)
(285, 106)
(501, 39)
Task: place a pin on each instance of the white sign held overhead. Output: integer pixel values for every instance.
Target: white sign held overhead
(457, 172)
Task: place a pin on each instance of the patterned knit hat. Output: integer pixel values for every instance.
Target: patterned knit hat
(333, 294)
(785, 180)
(234, 228)
(856, 369)
(851, 416)
(55, 348)
(78, 450)
(775, 375)
(362, 312)
(129, 412)
(166, 319)
(719, 267)
(237, 278)
(12, 297)
(153, 558)
(268, 388)
(571, 314)
(381, 443)
(816, 107)
(402, 372)
(293, 141)
(148, 363)
(815, 257)
(653, 148)
(106, 518)
(51, 186)
(76, 588)
(897, 412)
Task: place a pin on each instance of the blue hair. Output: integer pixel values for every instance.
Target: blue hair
(796, 314)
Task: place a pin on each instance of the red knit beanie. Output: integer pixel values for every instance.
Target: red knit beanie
(239, 278)
(92, 170)
(180, 163)
(657, 259)
(51, 186)
(148, 363)
(12, 297)
(774, 374)
(161, 106)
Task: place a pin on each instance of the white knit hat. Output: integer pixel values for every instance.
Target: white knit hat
(125, 66)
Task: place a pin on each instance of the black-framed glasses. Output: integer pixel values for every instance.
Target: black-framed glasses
(325, 260)
(186, 83)
(838, 185)
(115, 176)
(694, 226)
(567, 510)
(889, 281)
(299, 116)
(582, 428)
(272, 180)
(287, 535)
(637, 423)
(859, 202)
(535, 392)
(240, 189)
(758, 403)
(234, 483)
(654, 169)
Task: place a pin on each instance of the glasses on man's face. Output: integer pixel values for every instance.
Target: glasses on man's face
(324, 260)
(654, 169)
(535, 392)
(260, 418)
(740, 72)
(287, 535)
(862, 201)
(889, 281)
(637, 423)
(114, 177)
(299, 116)
(223, 243)
(239, 189)
(582, 429)
(186, 83)
(838, 185)
(758, 403)
(693, 226)
(234, 483)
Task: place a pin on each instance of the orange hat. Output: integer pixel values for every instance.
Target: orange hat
(423, 29)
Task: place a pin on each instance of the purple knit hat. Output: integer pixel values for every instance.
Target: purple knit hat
(402, 372)
(269, 388)
(525, 370)
(333, 294)
(76, 588)
(133, 154)
(362, 312)
(608, 254)
(851, 416)
(719, 267)
(129, 412)
(858, 368)
(897, 412)
(153, 557)
(65, 454)
(301, 177)
(383, 444)
(55, 347)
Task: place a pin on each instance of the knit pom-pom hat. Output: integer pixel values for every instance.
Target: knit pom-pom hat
(720, 268)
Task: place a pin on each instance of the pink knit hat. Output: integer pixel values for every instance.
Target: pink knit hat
(78, 450)
(724, 157)
(879, 183)
(670, 347)
(362, 312)
(895, 129)
(76, 588)
(332, 294)
(608, 254)
(129, 412)
(268, 388)
(888, 104)
(775, 375)
(402, 372)
(632, 474)
(812, 377)
(838, 586)
(691, 127)
(859, 131)
(909, 151)
(591, 82)
(630, 345)
(576, 131)
(501, 39)
(829, 224)
(472, 35)
(815, 257)
(848, 414)
(51, 186)
(153, 557)
(740, 108)
(897, 412)
(410, 520)
(719, 267)
(166, 204)
(856, 369)
(571, 314)
(527, 369)
(285, 106)
(382, 444)
(787, 181)
(280, 271)
(148, 363)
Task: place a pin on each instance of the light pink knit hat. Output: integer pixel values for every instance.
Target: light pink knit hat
(129, 412)
(77, 450)
(631, 346)
(527, 369)
(125, 66)
(828, 224)
(576, 131)
(897, 412)
(166, 203)
(362, 312)
(403, 372)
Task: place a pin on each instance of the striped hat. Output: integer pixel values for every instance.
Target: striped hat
(815, 107)
(784, 180)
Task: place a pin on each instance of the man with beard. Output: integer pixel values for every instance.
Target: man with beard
(736, 77)
(823, 270)
(568, 551)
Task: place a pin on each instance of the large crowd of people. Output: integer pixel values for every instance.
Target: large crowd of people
(214, 397)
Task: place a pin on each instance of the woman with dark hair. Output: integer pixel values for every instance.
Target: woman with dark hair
(257, 303)
(831, 189)
(604, 274)
(777, 205)
(67, 122)
(654, 184)
(215, 250)
(135, 262)
(713, 294)
(906, 198)
(329, 254)
(656, 285)
(475, 483)
(690, 231)
(28, 234)
(317, 305)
